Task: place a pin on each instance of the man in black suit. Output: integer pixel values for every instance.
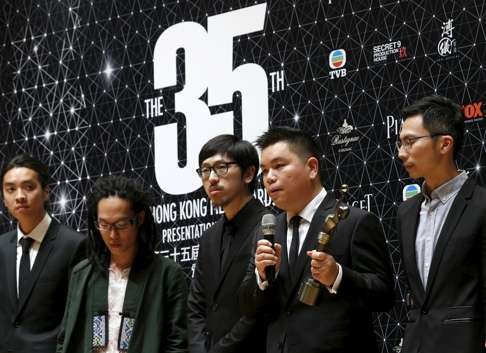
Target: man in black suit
(355, 273)
(442, 234)
(228, 167)
(35, 261)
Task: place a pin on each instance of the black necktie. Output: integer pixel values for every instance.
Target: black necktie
(226, 243)
(24, 269)
(294, 245)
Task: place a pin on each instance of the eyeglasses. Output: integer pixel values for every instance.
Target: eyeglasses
(408, 141)
(118, 225)
(221, 169)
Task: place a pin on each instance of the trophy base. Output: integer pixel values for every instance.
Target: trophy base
(309, 292)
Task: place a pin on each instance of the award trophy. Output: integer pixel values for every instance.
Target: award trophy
(310, 288)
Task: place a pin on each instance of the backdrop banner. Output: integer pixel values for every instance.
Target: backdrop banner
(97, 88)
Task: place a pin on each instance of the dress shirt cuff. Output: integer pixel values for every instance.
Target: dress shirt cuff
(335, 286)
(261, 284)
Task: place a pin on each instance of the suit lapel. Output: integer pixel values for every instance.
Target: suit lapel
(214, 249)
(409, 225)
(74, 300)
(310, 241)
(11, 264)
(40, 261)
(281, 238)
(251, 214)
(455, 213)
(136, 285)
(237, 244)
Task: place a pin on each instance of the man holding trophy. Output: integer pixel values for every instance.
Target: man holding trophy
(343, 283)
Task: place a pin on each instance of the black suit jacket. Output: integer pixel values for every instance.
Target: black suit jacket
(449, 315)
(216, 323)
(339, 322)
(31, 325)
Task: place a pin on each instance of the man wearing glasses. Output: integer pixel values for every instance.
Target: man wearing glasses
(124, 297)
(442, 234)
(228, 167)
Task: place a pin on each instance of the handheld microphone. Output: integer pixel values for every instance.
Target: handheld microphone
(269, 223)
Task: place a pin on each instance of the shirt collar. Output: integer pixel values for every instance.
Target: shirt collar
(446, 190)
(242, 215)
(310, 209)
(39, 232)
(117, 270)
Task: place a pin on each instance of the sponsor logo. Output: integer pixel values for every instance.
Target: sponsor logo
(410, 191)
(364, 203)
(346, 135)
(473, 111)
(447, 43)
(382, 51)
(392, 127)
(337, 60)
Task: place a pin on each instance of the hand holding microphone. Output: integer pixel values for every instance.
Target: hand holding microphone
(267, 256)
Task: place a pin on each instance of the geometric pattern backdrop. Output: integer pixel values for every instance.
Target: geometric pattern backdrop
(77, 91)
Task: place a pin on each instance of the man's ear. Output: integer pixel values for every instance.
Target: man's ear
(249, 174)
(313, 165)
(446, 144)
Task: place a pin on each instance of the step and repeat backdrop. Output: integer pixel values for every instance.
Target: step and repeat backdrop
(97, 88)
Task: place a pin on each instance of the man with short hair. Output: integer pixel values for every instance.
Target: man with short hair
(228, 169)
(35, 261)
(355, 273)
(442, 234)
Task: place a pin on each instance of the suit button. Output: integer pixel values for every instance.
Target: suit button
(424, 312)
(16, 324)
(288, 313)
(214, 307)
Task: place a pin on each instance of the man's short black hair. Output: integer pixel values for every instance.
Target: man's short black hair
(242, 152)
(26, 161)
(299, 142)
(130, 190)
(440, 116)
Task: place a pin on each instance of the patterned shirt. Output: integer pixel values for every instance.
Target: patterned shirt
(117, 285)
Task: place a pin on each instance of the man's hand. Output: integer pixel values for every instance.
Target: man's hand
(323, 267)
(265, 256)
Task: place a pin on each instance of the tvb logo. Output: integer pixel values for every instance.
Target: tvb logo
(337, 60)
(208, 68)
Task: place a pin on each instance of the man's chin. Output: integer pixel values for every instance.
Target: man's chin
(219, 202)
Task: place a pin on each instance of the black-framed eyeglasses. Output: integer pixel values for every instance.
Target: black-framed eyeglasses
(221, 169)
(118, 225)
(408, 141)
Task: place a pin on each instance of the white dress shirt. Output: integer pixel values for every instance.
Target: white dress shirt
(306, 215)
(38, 234)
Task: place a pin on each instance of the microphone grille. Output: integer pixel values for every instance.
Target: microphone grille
(269, 219)
(269, 223)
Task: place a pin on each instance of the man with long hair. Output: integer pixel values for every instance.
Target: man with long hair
(124, 297)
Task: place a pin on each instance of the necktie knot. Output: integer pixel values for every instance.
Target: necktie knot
(26, 243)
(295, 221)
